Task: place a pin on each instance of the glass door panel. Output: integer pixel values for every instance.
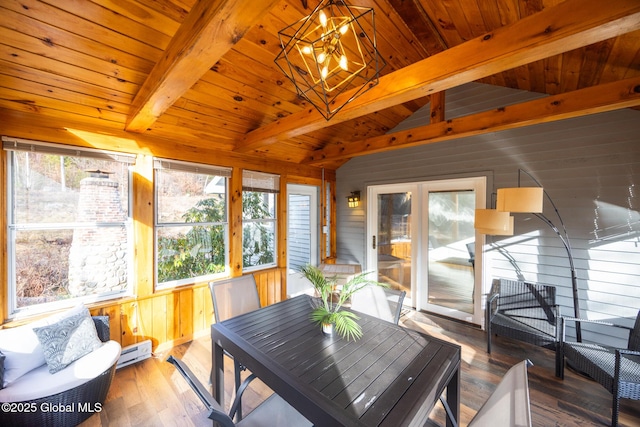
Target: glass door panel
(394, 240)
(421, 239)
(451, 240)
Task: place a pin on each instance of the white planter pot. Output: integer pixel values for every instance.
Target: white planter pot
(327, 328)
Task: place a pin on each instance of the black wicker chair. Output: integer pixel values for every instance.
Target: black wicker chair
(524, 311)
(85, 399)
(617, 370)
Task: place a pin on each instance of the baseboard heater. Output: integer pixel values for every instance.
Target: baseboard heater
(134, 353)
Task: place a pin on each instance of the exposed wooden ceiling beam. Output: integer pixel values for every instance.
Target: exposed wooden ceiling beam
(567, 26)
(595, 99)
(436, 107)
(211, 28)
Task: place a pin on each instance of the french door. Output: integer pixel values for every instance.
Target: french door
(421, 239)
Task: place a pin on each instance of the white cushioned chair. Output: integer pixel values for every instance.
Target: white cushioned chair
(56, 371)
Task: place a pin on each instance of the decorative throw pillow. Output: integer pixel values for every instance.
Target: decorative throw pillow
(22, 352)
(21, 347)
(67, 340)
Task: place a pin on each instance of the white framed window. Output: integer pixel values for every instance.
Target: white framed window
(259, 196)
(191, 224)
(68, 225)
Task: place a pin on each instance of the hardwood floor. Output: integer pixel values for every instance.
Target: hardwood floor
(151, 393)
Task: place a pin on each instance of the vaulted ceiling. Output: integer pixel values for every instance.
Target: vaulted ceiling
(202, 73)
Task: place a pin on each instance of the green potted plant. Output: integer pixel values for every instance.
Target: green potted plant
(331, 298)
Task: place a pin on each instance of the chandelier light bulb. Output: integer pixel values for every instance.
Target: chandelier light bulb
(325, 72)
(323, 19)
(343, 62)
(321, 57)
(344, 29)
(306, 50)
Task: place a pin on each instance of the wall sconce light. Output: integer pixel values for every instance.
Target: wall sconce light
(354, 199)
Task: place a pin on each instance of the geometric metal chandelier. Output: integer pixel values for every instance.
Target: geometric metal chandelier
(330, 52)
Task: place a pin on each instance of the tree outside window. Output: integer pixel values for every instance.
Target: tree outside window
(259, 219)
(191, 222)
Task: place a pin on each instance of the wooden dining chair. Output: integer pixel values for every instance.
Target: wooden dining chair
(232, 297)
(509, 404)
(273, 412)
(378, 301)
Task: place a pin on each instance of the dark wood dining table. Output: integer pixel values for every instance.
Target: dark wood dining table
(392, 376)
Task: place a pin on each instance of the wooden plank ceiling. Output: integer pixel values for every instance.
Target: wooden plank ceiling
(202, 73)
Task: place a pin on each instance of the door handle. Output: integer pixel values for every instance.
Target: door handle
(374, 242)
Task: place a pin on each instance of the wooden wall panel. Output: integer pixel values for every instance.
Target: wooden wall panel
(235, 222)
(129, 323)
(202, 308)
(186, 313)
(143, 225)
(145, 321)
(172, 321)
(160, 322)
(269, 283)
(198, 310)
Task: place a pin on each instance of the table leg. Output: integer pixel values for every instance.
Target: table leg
(453, 397)
(217, 373)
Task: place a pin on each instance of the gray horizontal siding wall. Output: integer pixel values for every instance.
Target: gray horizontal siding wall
(589, 166)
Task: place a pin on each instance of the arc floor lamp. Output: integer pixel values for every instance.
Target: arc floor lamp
(520, 199)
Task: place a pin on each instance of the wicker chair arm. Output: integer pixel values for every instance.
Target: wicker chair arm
(628, 352)
(491, 306)
(636, 370)
(597, 322)
(555, 308)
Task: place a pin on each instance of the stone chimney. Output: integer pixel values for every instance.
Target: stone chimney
(98, 256)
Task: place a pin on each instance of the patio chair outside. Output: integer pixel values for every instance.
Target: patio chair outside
(616, 369)
(380, 302)
(508, 406)
(273, 412)
(233, 297)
